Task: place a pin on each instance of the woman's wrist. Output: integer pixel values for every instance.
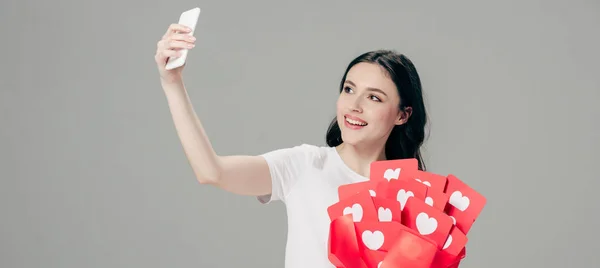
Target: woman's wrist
(172, 85)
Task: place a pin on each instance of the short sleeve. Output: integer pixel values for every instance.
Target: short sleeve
(286, 167)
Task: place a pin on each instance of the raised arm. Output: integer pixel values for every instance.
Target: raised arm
(240, 174)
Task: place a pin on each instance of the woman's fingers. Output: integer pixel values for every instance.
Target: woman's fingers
(175, 39)
(174, 44)
(177, 28)
(170, 53)
(182, 37)
(162, 55)
(179, 41)
(171, 48)
(169, 44)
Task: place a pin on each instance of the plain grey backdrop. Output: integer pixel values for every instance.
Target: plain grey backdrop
(93, 174)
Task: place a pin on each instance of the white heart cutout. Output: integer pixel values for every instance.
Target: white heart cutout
(426, 225)
(379, 265)
(453, 220)
(384, 214)
(373, 240)
(390, 174)
(356, 211)
(424, 182)
(402, 196)
(459, 201)
(429, 201)
(372, 193)
(448, 242)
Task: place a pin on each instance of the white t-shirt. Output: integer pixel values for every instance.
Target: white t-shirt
(306, 178)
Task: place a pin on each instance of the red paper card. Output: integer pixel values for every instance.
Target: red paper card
(343, 244)
(381, 190)
(436, 199)
(464, 198)
(387, 209)
(391, 169)
(455, 242)
(460, 219)
(360, 205)
(465, 204)
(377, 236)
(434, 181)
(347, 190)
(427, 221)
(402, 190)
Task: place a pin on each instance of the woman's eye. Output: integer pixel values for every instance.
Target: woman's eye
(347, 89)
(375, 98)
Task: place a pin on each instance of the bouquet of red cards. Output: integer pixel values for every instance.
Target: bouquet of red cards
(402, 217)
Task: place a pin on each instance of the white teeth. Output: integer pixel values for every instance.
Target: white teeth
(354, 122)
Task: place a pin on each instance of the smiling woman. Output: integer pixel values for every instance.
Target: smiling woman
(381, 94)
(380, 116)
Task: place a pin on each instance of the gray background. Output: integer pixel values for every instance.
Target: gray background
(93, 175)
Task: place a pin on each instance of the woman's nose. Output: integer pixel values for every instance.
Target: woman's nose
(356, 105)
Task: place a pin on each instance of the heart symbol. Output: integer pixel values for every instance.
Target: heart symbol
(391, 174)
(424, 182)
(448, 242)
(372, 193)
(425, 224)
(429, 201)
(459, 201)
(384, 214)
(373, 240)
(356, 211)
(402, 196)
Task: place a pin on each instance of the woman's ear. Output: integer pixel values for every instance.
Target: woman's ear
(403, 116)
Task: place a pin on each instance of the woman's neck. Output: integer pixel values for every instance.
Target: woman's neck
(359, 158)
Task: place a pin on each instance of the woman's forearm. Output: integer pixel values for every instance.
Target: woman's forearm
(196, 145)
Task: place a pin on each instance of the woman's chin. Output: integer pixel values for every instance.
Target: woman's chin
(351, 140)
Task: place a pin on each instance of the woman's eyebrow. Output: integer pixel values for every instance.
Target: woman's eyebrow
(368, 88)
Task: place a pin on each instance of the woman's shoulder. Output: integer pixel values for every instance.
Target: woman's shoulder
(312, 149)
(302, 151)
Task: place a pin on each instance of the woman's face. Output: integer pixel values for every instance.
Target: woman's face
(368, 106)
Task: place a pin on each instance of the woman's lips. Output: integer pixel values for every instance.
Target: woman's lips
(354, 122)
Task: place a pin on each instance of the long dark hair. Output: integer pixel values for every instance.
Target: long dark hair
(405, 140)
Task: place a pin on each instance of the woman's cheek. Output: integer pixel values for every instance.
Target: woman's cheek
(385, 115)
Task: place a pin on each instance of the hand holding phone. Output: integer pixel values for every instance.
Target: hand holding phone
(188, 19)
(172, 49)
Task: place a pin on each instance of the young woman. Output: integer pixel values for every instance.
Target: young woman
(380, 115)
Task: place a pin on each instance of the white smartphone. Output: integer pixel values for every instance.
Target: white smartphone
(188, 18)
